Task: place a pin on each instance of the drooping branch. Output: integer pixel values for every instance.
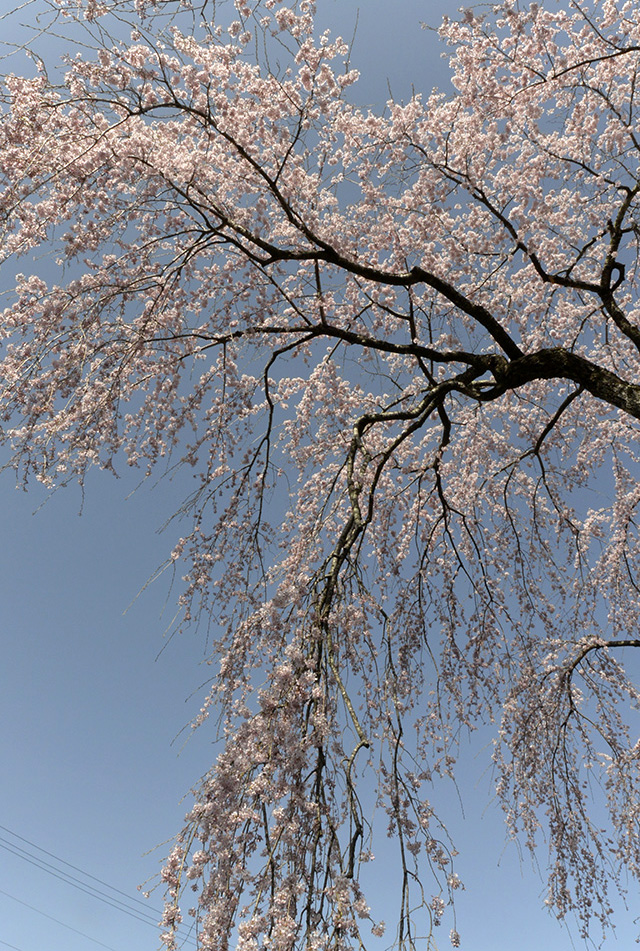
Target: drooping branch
(367, 333)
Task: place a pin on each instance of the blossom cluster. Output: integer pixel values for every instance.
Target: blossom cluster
(397, 349)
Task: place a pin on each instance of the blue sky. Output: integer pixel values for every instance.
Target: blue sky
(94, 696)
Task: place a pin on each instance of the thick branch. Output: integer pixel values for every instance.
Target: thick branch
(560, 363)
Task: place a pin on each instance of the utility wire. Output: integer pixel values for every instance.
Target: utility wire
(77, 883)
(7, 945)
(144, 914)
(57, 920)
(51, 855)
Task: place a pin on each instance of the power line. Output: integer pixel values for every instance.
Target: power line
(7, 945)
(57, 920)
(80, 870)
(141, 914)
(76, 883)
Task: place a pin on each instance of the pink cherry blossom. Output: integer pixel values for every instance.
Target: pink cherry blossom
(399, 349)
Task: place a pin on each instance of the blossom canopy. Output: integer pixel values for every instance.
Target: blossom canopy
(400, 350)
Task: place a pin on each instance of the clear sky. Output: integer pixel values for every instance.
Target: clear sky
(93, 696)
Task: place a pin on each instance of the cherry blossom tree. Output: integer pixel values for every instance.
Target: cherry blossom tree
(400, 351)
